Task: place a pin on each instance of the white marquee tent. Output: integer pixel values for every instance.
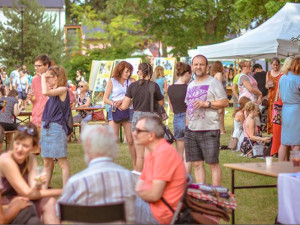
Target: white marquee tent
(275, 37)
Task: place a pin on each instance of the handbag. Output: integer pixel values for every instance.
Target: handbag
(161, 110)
(121, 115)
(233, 143)
(98, 116)
(169, 135)
(277, 110)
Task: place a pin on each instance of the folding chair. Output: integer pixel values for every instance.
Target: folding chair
(92, 214)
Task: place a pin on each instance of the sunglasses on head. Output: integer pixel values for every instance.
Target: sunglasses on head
(51, 68)
(28, 130)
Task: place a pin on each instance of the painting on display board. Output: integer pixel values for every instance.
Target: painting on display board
(135, 64)
(169, 69)
(169, 66)
(104, 72)
(93, 73)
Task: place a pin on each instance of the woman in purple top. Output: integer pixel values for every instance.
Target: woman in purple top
(54, 122)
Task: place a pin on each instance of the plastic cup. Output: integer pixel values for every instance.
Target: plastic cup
(295, 158)
(39, 173)
(269, 161)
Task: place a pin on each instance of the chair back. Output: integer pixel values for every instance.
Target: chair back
(92, 214)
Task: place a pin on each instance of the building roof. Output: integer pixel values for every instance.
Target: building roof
(44, 3)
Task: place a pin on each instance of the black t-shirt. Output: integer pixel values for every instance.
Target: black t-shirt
(141, 96)
(260, 77)
(176, 93)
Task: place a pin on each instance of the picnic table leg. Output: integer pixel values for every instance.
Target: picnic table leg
(232, 191)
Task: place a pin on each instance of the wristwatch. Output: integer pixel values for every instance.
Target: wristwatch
(209, 104)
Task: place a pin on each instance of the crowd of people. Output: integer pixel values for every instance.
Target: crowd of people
(197, 98)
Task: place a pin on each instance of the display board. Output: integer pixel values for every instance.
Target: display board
(169, 65)
(100, 78)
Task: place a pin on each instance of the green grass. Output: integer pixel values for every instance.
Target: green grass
(255, 206)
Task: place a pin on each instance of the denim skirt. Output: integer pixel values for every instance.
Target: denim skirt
(53, 141)
(179, 126)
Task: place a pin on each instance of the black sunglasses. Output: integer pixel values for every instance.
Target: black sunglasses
(81, 86)
(28, 130)
(140, 130)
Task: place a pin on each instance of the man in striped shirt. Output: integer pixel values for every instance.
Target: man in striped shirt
(102, 182)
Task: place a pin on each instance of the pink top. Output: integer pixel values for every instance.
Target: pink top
(40, 101)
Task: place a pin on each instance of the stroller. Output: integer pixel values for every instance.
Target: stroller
(263, 116)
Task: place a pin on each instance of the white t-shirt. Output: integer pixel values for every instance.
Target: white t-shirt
(203, 119)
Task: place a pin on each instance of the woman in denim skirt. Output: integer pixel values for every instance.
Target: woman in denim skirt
(176, 93)
(54, 122)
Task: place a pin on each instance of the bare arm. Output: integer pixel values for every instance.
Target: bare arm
(252, 89)
(10, 170)
(234, 90)
(153, 194)
(219, 77)
(218, 104)
(250, 127)
(12, 209)
(125, 103)
(165, 86)
(52, 92)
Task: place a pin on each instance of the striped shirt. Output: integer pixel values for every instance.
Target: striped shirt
(102, 182)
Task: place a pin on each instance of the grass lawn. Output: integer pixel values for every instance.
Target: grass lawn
(255, 206)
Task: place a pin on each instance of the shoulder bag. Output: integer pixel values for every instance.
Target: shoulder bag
(121, 115)
(233, 143)
(160, 109)
(168, 133)
(257, 148)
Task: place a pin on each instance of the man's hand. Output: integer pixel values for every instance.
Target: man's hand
(198, 104)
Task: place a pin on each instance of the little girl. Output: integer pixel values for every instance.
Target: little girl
(54, 122)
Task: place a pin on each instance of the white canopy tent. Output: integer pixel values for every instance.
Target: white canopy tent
(275, 37)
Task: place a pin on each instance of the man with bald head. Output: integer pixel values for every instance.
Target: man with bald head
(205, 95)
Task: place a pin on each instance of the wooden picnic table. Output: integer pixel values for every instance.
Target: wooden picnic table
(89, 108)
(259, 168)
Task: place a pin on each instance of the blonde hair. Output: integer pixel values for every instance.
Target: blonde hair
(159, 72)
(250, 106)
(244, 63)
(85, 85)
(295, 65)
(286, 65)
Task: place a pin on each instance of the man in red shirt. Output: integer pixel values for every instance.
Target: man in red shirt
(41, 64)
(163, 176)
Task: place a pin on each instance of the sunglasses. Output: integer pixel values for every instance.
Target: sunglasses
(53, 70)
(81, 86)
(28, 130)
(140, 130)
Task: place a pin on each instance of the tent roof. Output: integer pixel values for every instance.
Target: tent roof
(272, 38)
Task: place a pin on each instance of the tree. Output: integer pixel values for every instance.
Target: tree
(252, 13)
(40, 35)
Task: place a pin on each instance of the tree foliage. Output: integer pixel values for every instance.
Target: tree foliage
(40, 35)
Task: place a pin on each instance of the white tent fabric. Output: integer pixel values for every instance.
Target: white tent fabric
(272, 38)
